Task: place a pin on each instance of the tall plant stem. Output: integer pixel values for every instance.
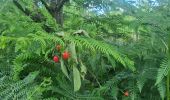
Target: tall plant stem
(168, 92)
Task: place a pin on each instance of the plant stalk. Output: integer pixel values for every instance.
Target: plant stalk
(168, 91)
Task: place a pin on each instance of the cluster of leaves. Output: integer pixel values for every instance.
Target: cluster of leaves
(113, 49)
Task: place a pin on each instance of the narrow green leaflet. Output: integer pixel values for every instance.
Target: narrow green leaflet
(76, 78)
(72, 50)
(64, 69)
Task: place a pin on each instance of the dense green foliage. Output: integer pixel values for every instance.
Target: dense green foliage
(115, 46)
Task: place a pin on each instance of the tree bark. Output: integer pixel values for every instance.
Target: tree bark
(59, 13)
(56, 9)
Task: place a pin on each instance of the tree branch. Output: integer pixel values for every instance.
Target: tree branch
(25, 11)
(38, 17)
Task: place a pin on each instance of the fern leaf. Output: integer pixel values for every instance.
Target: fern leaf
(95, 45)
(162, 89)
(163, 70)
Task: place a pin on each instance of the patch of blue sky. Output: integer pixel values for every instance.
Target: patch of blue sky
(137, 2)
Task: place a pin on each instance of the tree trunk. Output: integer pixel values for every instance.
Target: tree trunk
(58, 14)
(56, 7)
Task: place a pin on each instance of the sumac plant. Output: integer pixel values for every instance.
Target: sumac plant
(84, 50)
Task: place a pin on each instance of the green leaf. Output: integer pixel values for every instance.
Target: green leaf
(72, 50)
(76, 77)
(83, 70)
(3, 41)
(64, 69)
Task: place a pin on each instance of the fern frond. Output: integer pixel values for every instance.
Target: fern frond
(163, 70)
(133, 91)
(107, 49)
(15, 89)
(162, 89)
(18, 63)
(141, 82)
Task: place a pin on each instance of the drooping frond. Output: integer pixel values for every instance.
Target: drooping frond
(163, 70)
(162, 89)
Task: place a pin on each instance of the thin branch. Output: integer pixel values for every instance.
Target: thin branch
(25, 11)
(36, 18)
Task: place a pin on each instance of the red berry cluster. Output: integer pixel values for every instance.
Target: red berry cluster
(65, 54)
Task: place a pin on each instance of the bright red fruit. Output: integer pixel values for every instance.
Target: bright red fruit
(56, 59)
(126, 93)
(58, 47)
(65, 55)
